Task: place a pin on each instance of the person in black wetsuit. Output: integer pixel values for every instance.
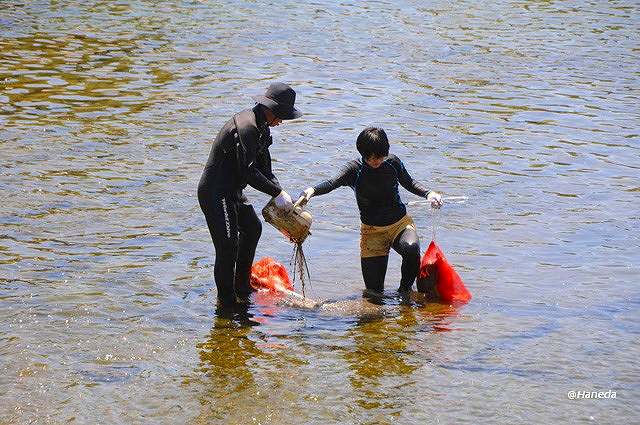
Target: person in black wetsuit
(240, 157)
(385, 223)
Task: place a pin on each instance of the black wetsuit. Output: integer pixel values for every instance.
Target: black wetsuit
(379, 202)
(239, 156)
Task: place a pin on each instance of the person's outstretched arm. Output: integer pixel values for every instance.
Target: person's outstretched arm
(345, 177)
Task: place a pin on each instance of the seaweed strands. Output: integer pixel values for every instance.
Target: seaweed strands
(299, 266)
(295, 225)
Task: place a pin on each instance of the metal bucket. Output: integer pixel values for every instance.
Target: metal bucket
(295, 225)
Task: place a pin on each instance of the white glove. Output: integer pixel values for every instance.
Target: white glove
(283, 201)
(435, 198)
(305, 196)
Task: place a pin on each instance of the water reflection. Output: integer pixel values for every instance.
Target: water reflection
(52, 79)
(247, 373)
(438, 317)
(381, 349)
(226, 359)
(106, 117)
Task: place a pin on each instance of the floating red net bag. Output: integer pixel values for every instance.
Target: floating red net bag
(438, 279)
(268, 274)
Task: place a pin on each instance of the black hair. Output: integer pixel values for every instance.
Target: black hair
(373, 141)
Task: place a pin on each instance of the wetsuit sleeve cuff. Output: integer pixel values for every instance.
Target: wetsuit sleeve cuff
(322, 188)
(275, 192)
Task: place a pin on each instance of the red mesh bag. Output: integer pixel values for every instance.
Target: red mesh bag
(268, 274)
(439, 280)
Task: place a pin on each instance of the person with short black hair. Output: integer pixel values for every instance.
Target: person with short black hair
(373, 141)
(240, 157)
(385, 223)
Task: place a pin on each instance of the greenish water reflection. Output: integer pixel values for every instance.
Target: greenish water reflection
(381, 349)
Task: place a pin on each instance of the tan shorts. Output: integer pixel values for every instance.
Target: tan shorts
(376, 241)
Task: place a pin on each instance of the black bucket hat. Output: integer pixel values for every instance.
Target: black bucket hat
(280, 98)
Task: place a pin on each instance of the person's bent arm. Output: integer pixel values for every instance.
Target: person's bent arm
(264, 165)
(258, 181)
(409, 182)
(255, 177)
(415, 187)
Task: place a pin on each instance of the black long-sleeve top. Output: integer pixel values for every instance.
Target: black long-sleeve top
(228, 172)
(376, 189)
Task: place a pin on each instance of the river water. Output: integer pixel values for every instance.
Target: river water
(107, 300)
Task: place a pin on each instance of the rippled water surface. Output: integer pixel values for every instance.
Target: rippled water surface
(107, 300)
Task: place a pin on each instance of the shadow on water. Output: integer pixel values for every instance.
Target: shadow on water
(479, 361)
